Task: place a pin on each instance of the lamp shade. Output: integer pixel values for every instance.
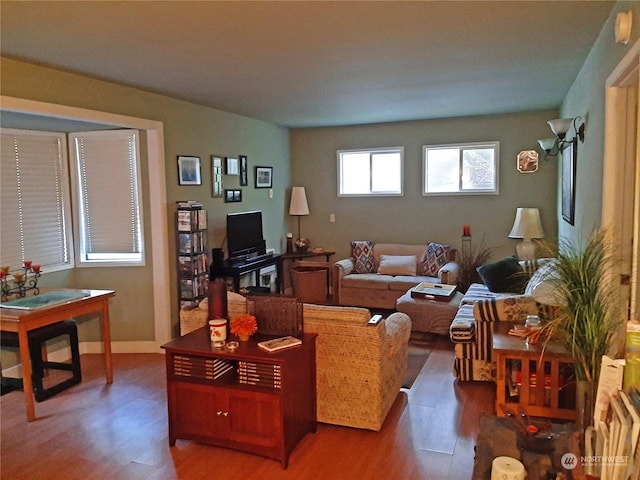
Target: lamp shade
(547, 144)
(298, 205)
(527, 224)
(560, 126)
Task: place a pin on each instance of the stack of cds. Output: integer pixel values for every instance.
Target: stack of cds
(200, 367)
(259, 374)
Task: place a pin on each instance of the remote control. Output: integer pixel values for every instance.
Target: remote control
(374, 320)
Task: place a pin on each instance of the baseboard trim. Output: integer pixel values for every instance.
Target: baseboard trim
(64, 354)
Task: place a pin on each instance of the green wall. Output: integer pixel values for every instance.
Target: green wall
(587, 99)
(189, 129)
(414, 218)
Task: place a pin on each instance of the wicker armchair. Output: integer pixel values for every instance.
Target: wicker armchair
(359, 368)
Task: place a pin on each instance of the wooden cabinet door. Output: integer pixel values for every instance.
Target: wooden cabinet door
(255, 418)
(199, 410)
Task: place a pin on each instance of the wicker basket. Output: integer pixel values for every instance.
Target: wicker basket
(191, 320)
(277, 315)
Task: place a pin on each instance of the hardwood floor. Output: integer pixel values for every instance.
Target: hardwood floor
(95, 431)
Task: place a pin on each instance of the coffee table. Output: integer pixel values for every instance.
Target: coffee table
(553, 397)
(429, 315)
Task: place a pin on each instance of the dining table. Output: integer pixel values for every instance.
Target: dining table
(24, 314)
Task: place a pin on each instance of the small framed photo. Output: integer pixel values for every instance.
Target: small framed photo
(232, 166)
(264, 177)
(232, 195)
(189, 171)
(244, 178)
(527, 161)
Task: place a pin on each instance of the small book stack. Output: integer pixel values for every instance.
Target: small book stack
(259, 374)
(189, 205)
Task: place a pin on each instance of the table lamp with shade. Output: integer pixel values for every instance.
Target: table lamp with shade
(527, 226)
(298, 207)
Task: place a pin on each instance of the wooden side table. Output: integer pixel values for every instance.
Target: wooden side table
(542, 384)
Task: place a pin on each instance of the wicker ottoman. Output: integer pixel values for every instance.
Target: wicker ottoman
(429, 316)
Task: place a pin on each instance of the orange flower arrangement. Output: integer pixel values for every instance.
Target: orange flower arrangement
(244, 325)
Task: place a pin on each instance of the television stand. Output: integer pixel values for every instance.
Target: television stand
(235, 268)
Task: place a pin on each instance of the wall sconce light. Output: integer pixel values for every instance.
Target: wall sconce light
(560, 127)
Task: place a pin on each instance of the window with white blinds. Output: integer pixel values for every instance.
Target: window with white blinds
(35, 219)
(106, 188)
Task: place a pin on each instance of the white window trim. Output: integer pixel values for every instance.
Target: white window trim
(400, 150)
(105, 259)
(491, 144)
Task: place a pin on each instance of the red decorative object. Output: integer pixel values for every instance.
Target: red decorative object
(217, 299)
(466, 231)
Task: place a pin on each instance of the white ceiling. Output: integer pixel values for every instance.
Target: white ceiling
(302, 63)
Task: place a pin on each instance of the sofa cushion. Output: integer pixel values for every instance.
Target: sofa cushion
(367, 280)
(397, 265)
(436, 256)
(405, 282)
(362, 253)
(503, 276)
(543, 286)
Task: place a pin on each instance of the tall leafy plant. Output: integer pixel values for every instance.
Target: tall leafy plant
(589, 319)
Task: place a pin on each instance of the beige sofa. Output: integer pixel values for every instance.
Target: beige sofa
(380, 290)
(359, 368)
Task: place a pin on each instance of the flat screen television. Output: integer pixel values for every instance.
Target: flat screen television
(244, 234)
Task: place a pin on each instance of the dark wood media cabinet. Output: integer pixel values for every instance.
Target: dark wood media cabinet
(247, 399)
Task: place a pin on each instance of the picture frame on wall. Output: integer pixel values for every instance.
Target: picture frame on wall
(232, 195)
(232, 166)
(244, 177)
(569, 161)
(189, 170)
(216, 176)
(264, 177)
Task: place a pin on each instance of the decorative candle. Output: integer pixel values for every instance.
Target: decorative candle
(466, 230)
(5, 270)
(18, 277)
(27, 263)
(2, 274)
(36, 268)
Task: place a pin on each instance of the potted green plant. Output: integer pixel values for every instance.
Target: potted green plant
(588, 319)
(470, 258)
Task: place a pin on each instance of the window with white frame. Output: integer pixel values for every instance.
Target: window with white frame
(370, 172)
(460, 169)
(35, 223)
(106, 188)
(36, 220)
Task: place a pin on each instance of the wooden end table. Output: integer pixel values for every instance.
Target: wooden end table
(520, 368)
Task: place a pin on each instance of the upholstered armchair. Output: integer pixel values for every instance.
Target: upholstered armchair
(359, 368)
(474, 359)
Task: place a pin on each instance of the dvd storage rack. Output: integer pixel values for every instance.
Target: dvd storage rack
(192, 259)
